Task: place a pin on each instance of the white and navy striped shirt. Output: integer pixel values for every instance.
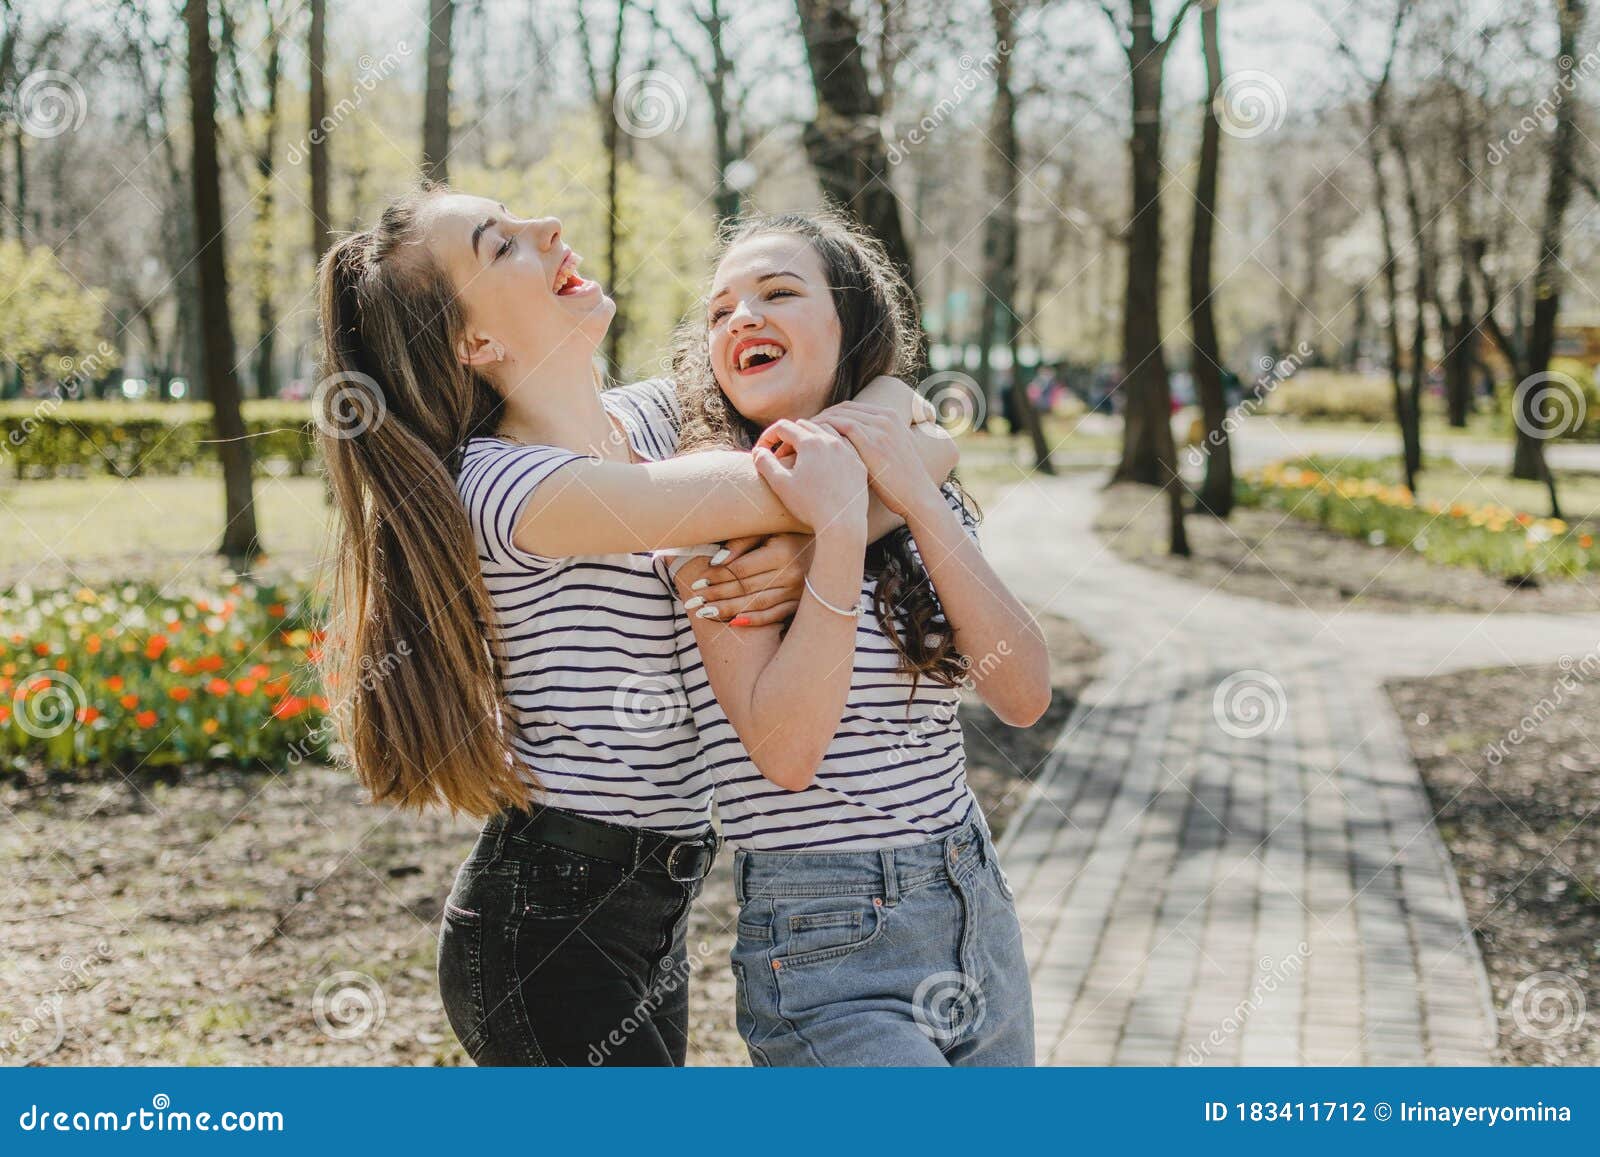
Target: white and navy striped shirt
(591, 674)
(894, 775)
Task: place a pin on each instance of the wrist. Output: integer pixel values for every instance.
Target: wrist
(925, 502)
(848, 528)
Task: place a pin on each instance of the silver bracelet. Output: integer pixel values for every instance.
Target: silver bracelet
(852, 613)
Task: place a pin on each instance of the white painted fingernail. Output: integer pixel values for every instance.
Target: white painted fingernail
(694, 602)
(699, 584)
(719, 558)
(706, 613)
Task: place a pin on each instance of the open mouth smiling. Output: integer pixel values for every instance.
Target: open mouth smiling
(568, 283)
(753, 355)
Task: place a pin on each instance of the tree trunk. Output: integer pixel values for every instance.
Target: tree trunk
(845, 142)
(1411, 451)
(725, 198)
(266, 308)
(217, 352)
(1000, 233)
(316, 138)
(1216, 492)
(614, 144)
(436, 101)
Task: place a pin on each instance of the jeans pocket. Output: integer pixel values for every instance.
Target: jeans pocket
(461, 976)
(809, 930)
(1002, 879)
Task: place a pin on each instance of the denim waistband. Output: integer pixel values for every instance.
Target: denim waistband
(885, 873)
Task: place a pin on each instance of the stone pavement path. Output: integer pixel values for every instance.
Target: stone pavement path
(1230, 857)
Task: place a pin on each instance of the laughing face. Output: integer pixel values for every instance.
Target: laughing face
(773, 329)
(518, 283)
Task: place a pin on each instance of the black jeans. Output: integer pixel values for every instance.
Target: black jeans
(548, 957)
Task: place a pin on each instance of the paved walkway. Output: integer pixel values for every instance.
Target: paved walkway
(1230, 858)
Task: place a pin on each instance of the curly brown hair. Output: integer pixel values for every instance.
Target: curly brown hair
(878, 334)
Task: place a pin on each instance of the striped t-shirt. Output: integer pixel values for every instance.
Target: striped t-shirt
(894, 775)
(591, 676)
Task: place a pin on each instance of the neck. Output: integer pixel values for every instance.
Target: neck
(557, 404)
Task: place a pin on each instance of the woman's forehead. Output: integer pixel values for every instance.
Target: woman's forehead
(765, 254)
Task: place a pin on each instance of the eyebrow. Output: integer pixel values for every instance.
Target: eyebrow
(764, 277)
(486, 223)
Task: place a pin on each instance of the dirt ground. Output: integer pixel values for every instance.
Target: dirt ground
(1517, 807)
(219, 917)
(1269, 555)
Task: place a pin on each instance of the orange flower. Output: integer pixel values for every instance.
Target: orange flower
(245, 686)
(288, 707)
(179, 694)
(275, 688)
(277, 610)
(174, 627)
(209, 663)
(210, 726)
(41, 648)
(260, 671)
(145, 719)
(5, 713)
(61, 664)
(179, 666)
(319, 703)
(313, 654)
(219, 686)
(92, 644)
(1524, 519)
(129, 701)
(1586, 541)
(154, 648)
(114, 683)
(88, 714)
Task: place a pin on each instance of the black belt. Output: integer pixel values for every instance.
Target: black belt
(637, 849)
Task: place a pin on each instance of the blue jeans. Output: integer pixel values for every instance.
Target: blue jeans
(911, 956)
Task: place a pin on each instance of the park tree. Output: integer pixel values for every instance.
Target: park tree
(217, 350)
(1148, 452)
(436, 97)
(1216, 491)
(316, 139)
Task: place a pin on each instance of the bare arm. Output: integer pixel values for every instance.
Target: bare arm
(611, 508)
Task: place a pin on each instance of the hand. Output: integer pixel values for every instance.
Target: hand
(823, 482)
(888, 447)
(760, 583)
(899, 399)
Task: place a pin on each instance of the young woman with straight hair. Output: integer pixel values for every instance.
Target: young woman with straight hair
(502, 645)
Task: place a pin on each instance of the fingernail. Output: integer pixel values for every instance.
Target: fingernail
(694, 602)
(739, 621)
(699, 584)
(706, 613)
(719, 558)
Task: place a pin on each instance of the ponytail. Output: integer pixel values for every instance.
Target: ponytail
(413, 661)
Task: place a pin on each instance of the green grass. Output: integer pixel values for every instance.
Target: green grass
(1443, 481)
(101, 518)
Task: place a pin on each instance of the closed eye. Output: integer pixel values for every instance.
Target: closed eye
(718, 314)
(781, 293)
(505, 247)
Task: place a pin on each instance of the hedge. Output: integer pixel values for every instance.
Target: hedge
(43, 438)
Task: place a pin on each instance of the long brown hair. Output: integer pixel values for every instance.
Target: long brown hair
(877, 335)
(413, 665)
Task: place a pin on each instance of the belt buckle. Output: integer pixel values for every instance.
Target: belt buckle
(700, 867)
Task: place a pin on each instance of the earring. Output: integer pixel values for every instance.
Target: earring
(499, 352)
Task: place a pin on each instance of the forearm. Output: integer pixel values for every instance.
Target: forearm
(1010, 662)
(939, 455)
(612, 508)
(795, 702)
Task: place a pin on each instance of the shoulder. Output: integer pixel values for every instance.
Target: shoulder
(497, 478)
(651, 412)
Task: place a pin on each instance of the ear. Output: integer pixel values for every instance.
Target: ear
(477, 350)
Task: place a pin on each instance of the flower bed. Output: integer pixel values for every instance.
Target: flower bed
(1492, 538)
(130, 676)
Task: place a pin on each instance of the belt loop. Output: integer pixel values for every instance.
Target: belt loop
(739, 893)
(891, 878)
(502, 825)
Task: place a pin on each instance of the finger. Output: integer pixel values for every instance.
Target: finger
(740, 547)
(690, 572)
(922, 410)
(759, 601)
(781, 613)
(746, 588)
